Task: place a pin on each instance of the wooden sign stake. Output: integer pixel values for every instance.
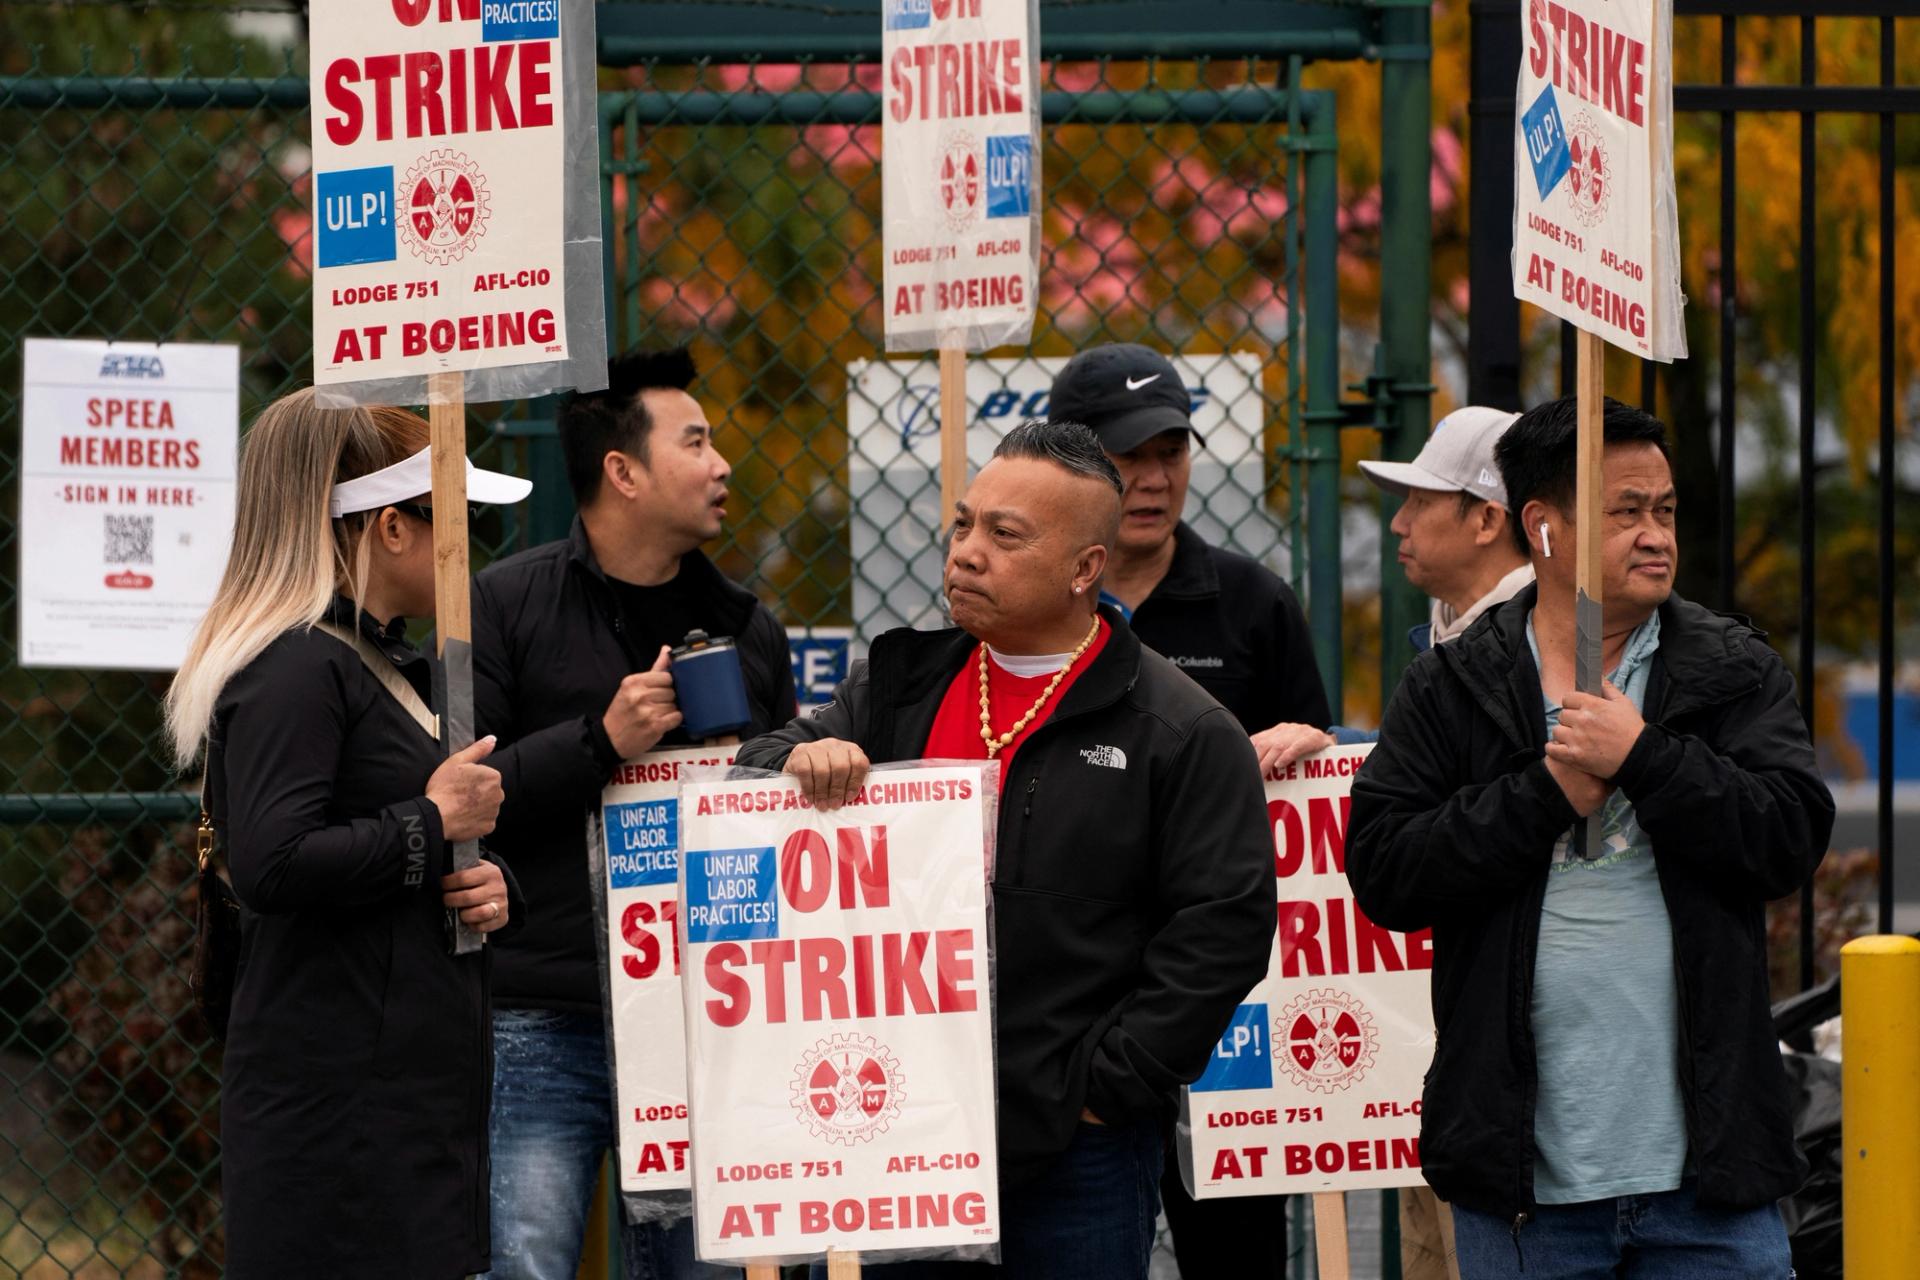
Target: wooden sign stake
(953, 430)
(1330, 1234)
(1590, 384)
(453, 595)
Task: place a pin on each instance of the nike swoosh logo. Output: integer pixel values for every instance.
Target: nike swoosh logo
(1135, 386)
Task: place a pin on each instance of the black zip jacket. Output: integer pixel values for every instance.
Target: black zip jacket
(1133, 876)
(1453, 825)
(1238, 631)
(359, 1062)
(550, 647)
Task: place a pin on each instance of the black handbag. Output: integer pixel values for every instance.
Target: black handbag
(216, 934)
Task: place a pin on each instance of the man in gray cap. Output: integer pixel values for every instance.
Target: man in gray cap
(1233, 627)
(1455, 540)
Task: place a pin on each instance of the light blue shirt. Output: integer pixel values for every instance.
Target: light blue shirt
(1610, 1119)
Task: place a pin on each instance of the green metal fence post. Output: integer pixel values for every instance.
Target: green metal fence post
(1323, 403)
(1406, 266)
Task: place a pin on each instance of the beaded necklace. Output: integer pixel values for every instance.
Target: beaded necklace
(986, 721)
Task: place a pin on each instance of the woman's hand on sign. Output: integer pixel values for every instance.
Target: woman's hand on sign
(466, 792)
(1283, 744)
(643, 710)
(828, 771)
(479, 894)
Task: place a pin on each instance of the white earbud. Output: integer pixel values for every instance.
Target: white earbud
(1546, 547)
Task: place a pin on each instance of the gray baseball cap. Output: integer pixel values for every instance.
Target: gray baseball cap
(1458, 457)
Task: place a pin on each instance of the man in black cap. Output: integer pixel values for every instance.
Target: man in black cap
(1232, 626)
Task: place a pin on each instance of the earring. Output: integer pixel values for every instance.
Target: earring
(1077, 590)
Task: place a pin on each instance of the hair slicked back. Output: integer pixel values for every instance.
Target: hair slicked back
(596, 423)
(1538, 454)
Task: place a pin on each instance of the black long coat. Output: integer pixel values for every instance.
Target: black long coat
(359, 1059)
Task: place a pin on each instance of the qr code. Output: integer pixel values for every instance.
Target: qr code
(129, 540)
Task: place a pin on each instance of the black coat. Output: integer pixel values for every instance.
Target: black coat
(1132, 887)
(359, 1063)
(1238, 631)
(550, 647)
(1453, 825)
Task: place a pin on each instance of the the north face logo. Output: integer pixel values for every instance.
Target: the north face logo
(1106, 757)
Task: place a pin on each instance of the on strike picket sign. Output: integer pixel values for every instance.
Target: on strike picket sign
(439, 186)
(1316, 1084)
(960, 172)
(839, 1037)
(127, 457)
(639, 839)
(1596, 228)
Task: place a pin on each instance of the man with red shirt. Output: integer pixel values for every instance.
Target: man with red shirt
(1132, 880)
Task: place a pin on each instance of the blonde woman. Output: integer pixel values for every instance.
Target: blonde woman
(358, 1070)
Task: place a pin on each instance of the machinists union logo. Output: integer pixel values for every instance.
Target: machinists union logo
(957, 179)
(1329, 1038)
(445, 203)
(847, 1088)
(1590, 173)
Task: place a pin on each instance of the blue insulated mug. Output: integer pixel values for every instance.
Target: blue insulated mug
(709, 687)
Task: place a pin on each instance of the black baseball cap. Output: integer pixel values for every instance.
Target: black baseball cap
(1125, 392)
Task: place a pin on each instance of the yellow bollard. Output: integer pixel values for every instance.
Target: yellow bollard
(1880, 1106)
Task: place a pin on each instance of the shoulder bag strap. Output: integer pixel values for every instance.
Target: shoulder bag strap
(390, 679)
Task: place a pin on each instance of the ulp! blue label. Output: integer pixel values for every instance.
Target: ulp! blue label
(1243, 1059)
(909, 15)
(355, 221)
(1546, 142)
(1009, 176)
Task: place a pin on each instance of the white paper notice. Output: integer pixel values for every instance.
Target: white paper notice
(126, 498)
(1596, 233)
(1316, 1084)
(960, 172)
(839, 1016)
(640, 824)
(438, 198)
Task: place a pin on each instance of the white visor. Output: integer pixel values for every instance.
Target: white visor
(413, 478)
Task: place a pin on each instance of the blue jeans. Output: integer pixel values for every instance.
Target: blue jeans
(1089, 1217)
(552, 1124)
(1666, 1236)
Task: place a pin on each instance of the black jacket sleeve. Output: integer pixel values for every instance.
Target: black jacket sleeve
(548, 775)
(769, 670)
(1749, 809)
(1425, 842)
(1300, 696)
(844, 717)
(1214, 855)
(280, 750)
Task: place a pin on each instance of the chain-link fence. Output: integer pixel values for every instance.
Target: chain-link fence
(162, 194)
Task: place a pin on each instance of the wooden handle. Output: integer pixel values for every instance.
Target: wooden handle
(843, 1264)
(1590, 389)
(1330, 1234)
(953, 430)
(452, 569)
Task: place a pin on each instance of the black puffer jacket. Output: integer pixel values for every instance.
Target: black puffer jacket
(1132, 880)
(1454, 821)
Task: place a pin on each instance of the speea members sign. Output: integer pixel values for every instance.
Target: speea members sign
(1316, 1084)
(1595, 217)
(447, 171)
(960, 172)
